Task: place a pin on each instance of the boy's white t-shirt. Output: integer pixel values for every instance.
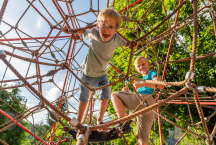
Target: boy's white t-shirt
(100, 52)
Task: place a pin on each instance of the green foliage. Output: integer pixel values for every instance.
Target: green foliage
(59, 132)
(14, 135)
(189, 139)
(39, 130)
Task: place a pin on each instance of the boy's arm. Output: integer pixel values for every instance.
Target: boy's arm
(76, 30)
(149, 85)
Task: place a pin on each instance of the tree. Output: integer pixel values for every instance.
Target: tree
(39, 129)
(13, 135)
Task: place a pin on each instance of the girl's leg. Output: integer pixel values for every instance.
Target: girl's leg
(141, 142)
(118, 105)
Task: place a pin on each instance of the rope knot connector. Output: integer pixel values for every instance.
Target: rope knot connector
(34, 53)
(64, 65)
(173, 32)
(189, 127)
(50, 80)
(211, 141)
(51, 73)
(211, 9)
(2, 54)
(54, 116)
(41, 105)
(66, 16)
(152, 38)
(84, 136)
(160, 91)
(94, 91)
(205, 118)
(127, 79)
(73, 122)
(16, 26)
(190, 87)
(189, 75)
(132, 112)
(144, 104)
(201, 88)
(133, 42)
(51, 26)
(121, 75)
(157, 63)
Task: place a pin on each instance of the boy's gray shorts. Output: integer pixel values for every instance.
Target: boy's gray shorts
(94, 82)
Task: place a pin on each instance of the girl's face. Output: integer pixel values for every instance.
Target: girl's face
(142, 66)
(107, 28)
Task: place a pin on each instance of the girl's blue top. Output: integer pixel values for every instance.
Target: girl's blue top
(146, 90)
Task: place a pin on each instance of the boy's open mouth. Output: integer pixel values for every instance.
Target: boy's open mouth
(106, 35)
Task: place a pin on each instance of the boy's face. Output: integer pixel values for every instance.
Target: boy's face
(142, 66)
(107, 28)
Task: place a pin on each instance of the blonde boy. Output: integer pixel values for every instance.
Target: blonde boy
(131, 101)
(103, 41)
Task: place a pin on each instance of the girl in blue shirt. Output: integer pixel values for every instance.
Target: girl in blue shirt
(131, 101)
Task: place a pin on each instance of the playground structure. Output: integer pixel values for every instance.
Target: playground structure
(59, 53)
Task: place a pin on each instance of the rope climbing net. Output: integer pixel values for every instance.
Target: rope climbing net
(36, 53)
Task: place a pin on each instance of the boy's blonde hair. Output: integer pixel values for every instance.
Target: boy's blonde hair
(140, 57)
(111, 13)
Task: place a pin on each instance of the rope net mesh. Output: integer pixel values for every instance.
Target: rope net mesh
(44, 62)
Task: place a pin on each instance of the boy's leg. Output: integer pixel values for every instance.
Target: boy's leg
(118, 105)
(104, 95)
(84, 93)
(81, 110)
(103, 106)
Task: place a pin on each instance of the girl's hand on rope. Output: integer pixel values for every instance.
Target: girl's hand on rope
(137, 84)
(125, 88)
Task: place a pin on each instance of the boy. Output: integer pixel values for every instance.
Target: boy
(103, 42)
(131, 101)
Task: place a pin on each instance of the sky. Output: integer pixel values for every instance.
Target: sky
(30, 23)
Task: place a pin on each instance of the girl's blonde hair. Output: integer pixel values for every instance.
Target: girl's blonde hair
(111, 13)
(140, 57)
